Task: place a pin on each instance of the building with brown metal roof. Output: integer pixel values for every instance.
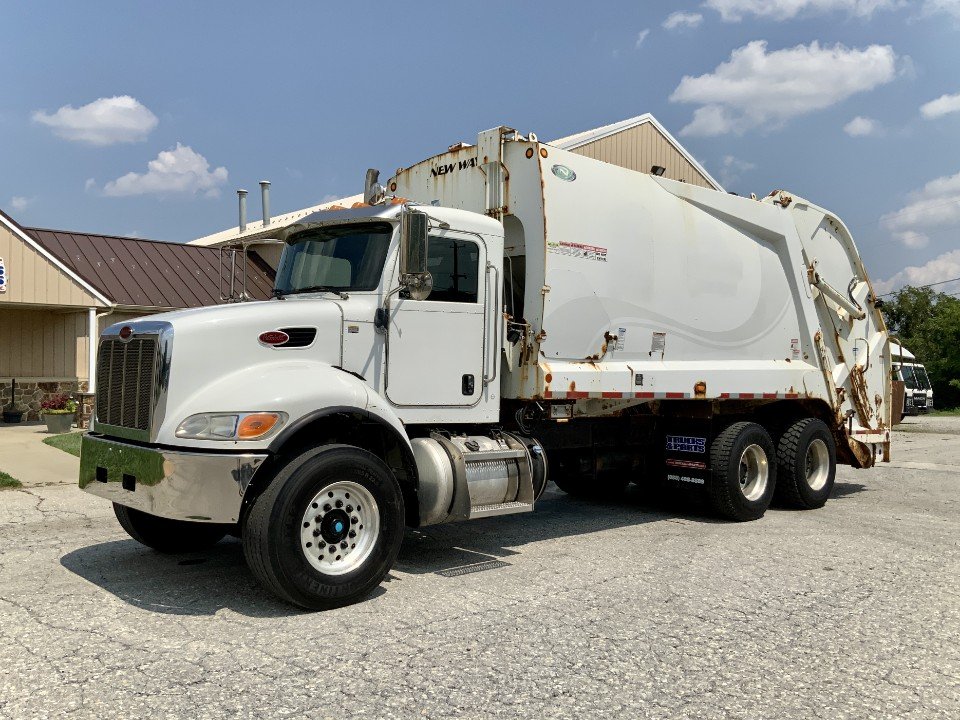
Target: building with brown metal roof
(60, 289)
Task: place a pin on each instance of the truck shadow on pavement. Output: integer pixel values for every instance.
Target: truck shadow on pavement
(217, 579)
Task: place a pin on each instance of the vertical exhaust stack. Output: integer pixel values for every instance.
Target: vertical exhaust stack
(373, 192)
(242, 199)
(265, 199)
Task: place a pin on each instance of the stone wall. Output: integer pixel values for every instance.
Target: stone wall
(29, 395)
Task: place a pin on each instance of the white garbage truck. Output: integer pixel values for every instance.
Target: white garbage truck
(503, 314)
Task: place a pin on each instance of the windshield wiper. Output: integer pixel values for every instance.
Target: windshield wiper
(318, 288)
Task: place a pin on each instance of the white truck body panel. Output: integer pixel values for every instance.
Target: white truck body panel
(641, 288)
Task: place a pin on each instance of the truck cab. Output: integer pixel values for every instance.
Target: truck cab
(918, 392)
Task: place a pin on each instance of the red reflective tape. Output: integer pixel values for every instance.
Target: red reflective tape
(548, 395)
(745, 396)
(791, 396)
(769, 396)
(724, 395)
(611, 395)
(577, 395)
(643, 395)
(673, 395)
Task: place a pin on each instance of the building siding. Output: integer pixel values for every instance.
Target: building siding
(32, 279)
(641, 147)
(47, 345)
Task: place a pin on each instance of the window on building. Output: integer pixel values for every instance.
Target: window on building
(455, 267)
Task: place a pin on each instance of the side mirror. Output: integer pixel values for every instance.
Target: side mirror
(414, 234)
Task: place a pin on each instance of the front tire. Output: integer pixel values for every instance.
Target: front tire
(169, 536)
(328, 528)
(743, 472)
(807, 465)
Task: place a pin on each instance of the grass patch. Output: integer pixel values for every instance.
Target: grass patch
(945, 412)
(8, 482)
(68, 442)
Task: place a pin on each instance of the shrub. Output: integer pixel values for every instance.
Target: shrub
(59, 405)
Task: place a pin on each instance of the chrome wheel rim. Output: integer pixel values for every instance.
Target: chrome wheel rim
(339, 528)
(817, 464)
(754, 472)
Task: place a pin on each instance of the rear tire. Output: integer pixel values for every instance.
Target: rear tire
(169, 536)
(807, 465)
(328, 528)
(743, 472)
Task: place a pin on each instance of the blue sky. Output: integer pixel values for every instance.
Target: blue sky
(143, 118)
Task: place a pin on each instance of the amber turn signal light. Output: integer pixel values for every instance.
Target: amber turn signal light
(256, 424)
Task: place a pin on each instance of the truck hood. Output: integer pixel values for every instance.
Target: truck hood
(211, 343)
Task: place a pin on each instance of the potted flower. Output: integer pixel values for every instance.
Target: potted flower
(13, 413)
(58, 413)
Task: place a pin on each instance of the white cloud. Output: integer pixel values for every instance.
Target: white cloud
(106, 121)
(912, 239)
(181, 171)
(950, 7)
(943, 105)
(943, 267)
(19, 203)
(737, 10)
(90, 184)
(757, 88)
(935, 205)
(682, 20)
(641, 36)
(862, 127)
(731, 168)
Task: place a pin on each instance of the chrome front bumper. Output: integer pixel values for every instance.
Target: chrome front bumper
(205, 487)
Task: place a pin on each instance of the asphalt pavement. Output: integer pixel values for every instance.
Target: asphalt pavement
(646, 608)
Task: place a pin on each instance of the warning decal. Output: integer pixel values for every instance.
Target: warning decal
(578, 250)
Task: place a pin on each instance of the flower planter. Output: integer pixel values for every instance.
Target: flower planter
(12, 416)
(58, 423)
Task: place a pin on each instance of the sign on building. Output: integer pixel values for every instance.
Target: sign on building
(3, 277)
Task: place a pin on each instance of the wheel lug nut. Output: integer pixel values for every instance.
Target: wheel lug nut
(316, 533)
(348, 508)
(352, 534)
(338, 557)
(315, 506)
(354, 520)
(332, 548)
(327, 508)
(306, 524)
(347, 495)
(339, 503)
(353, 546)
(343, 546)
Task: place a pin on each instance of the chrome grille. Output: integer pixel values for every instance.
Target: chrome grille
(125, 381)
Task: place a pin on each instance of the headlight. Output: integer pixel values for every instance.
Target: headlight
(231, 426)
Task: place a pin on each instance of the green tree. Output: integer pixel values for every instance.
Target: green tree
(928, 324)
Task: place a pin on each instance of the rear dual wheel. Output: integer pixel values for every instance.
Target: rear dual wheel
(743, 472)
(806, 465)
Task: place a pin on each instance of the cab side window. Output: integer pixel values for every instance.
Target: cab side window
(455, 267)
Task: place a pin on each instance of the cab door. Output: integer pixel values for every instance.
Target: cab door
(435, 347)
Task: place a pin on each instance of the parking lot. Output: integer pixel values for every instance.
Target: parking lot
(648, 608)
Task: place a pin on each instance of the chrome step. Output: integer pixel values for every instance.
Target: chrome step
(508, 508)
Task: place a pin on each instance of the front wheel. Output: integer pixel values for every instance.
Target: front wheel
(743, 472)
(328, 528)
(168, 536)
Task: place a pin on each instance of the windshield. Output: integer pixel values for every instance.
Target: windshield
(915, 377)
(341, 258)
